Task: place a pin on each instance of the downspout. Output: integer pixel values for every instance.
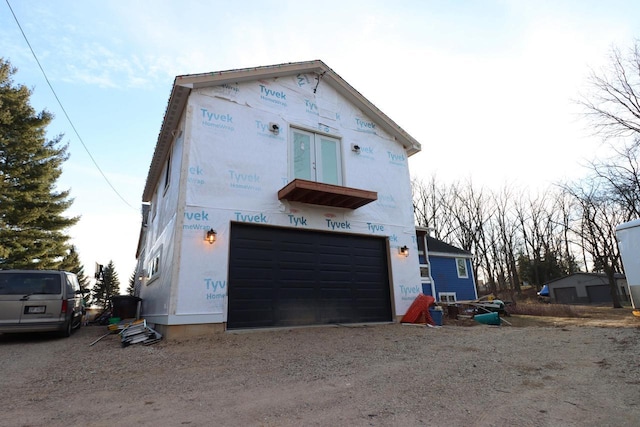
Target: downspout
(473, 278)
(426, 258)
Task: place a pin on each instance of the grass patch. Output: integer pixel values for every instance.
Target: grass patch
(551, 310)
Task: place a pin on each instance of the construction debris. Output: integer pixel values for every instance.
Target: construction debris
(418, 312)
(107, 334)
(132, 331)
(486, 310)
(139, 332)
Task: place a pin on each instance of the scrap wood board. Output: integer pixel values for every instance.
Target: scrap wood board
(419, 307)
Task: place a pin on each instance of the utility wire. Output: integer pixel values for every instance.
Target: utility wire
(65, 111)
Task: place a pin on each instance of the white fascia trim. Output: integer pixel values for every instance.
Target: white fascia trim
(449, 255)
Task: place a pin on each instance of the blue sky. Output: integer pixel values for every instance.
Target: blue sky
(485, 86)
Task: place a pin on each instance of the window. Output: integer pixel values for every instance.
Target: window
(461, 265)
(167, 173)
(153, 266)
(71, 287)
(316, 157)
(424, 271)
(447, 296)
(153, 210)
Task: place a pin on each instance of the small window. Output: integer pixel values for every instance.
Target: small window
(461, 265)
(315, 157)
(167, 173)
(447, 297)
(424, 271)
(153, 211)
(153, 266)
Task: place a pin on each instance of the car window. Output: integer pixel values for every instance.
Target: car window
(72, 285)
(29, 284)
(70, 291)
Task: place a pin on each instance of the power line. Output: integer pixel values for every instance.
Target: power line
(65, 111)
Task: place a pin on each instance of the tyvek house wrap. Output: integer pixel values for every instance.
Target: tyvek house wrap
(236, 167)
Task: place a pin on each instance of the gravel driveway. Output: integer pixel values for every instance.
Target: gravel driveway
(380, 375)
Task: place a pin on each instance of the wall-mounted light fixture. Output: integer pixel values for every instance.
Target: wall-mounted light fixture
(403, 250)
(211, 236)
(355, 148)
(274, 128)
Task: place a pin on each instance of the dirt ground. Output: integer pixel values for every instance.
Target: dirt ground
(538, 372)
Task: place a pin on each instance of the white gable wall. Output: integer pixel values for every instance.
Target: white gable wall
(235, 167)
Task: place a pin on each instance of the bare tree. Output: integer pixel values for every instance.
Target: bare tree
(507, 227)
(620, 177)
(612, 105)
(431, 206)
(611, 195)
(471, 215)
(599, 216)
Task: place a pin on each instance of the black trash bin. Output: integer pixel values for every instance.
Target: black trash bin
(125, 306)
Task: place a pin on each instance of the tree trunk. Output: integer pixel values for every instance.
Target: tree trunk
(613, 286)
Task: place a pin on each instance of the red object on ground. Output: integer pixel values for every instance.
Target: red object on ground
(419, 307)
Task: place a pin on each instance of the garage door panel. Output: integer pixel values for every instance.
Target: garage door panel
(364, 291)
(253, 293)
(333, 277)
(333, 273)
(255, 242)
(599, 293)
(258, 275)
(255, 308)
(303, 264)
(330, 282)
(338, 256)
(334, 259)
(361, 282)
(290, 256)
(295, 313)
(295, 292)
(296, 271)
(310, 277)
(336, 293)
(567, 295)
(257, 316)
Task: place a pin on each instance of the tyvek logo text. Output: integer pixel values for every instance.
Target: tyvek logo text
(274, 96)
(397, 159)
(244, 181)
(195, 173)
(257, 218)
(215, 289)
(365, 126)
(217, 120)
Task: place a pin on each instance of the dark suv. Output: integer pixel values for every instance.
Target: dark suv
(40, 301)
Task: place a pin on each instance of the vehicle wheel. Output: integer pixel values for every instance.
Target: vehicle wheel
(68, 327)
(79, 323)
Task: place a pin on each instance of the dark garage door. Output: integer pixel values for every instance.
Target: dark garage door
(287, 277)
(599, 293)
(566, 295)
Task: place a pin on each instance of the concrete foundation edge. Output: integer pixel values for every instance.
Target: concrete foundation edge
(175, 332)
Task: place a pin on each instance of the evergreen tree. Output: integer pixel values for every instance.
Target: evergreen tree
(131, 289)
(71, 263)
(32, 224)
(107, 286)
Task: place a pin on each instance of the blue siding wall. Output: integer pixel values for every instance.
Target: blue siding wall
(426, 289)
(445, 275)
